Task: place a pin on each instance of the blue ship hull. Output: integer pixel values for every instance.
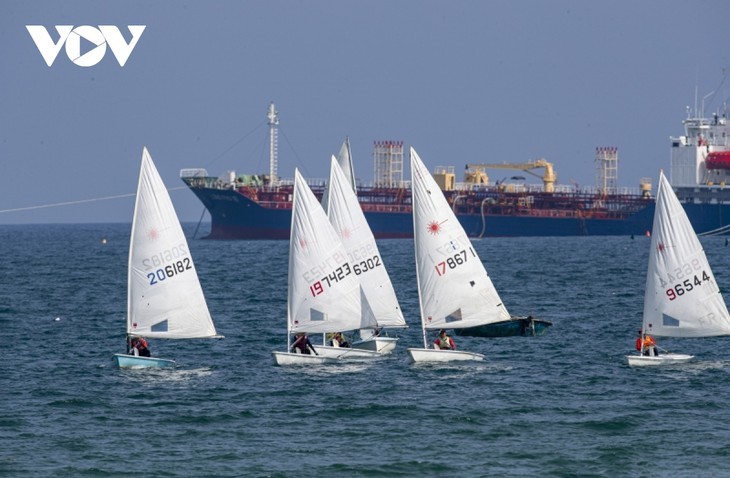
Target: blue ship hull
(235, 216)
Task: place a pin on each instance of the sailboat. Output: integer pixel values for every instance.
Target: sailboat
(380, 308)
(454, 290)
(682, 298)
(324, 291)
(164, 296)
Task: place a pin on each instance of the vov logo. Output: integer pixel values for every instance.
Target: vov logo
(71, 38)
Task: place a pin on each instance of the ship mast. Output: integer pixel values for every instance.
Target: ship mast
(273, 143)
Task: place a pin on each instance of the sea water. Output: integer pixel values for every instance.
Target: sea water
(564, 404)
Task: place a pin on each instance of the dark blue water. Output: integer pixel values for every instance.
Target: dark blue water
(565, 404)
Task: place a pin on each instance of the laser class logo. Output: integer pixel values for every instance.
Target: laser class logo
(95, 41)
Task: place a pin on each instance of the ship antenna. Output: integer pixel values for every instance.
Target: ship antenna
(702, 114)
(273, 144)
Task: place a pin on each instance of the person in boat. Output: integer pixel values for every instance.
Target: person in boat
(444, 342)
(647, 343)
(339, 340)
(138, 347)
(302, 345)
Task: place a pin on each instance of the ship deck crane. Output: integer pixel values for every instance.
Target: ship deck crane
(475, 173)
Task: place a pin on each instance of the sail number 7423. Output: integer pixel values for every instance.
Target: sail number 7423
(338, 274)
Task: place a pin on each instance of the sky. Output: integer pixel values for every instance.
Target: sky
(483, 81)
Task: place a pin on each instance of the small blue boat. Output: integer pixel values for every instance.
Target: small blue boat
(514, 327)
(134, 361)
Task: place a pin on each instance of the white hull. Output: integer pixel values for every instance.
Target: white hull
(664, 359)
(433, 355)
(381, 345)
(345, 353)
(289, 358)
(134, 361)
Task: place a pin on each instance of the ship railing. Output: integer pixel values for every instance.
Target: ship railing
(275, 204)
(382, 185)
(193, 173)
(570, 213)
(312, 183)
(207, 182)
(559, 189)
(386, 208)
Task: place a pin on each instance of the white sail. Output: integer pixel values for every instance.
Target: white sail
(164, 297)
(682, 298)
(344, 159)
(379, 304)
(324, 292)
(453, 286)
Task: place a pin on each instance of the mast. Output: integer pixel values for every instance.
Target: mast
(273, 123)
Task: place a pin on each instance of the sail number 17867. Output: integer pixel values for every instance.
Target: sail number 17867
(453, 262)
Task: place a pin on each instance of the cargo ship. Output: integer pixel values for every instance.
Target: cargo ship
(258, 206)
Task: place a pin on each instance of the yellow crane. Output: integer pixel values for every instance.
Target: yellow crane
(476, 174)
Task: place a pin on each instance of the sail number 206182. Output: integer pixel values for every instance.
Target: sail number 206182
(177, 262)
(170, 270)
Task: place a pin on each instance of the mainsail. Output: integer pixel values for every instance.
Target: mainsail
(324, 292)
(164, 296)
(454, 288)
(682, 298)
(379, 303)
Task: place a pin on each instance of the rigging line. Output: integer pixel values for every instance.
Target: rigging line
(239, 141)
(716, 232)
(198, 226)
(717, 90)
(80, 201)
(299, 160)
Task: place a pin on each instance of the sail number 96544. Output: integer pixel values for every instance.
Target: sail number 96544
(687, 286)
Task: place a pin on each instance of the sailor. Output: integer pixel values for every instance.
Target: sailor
(444, 342)
(302, 345)
(339, 340)
(138, 347)
(647, 343)
(650, 347)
